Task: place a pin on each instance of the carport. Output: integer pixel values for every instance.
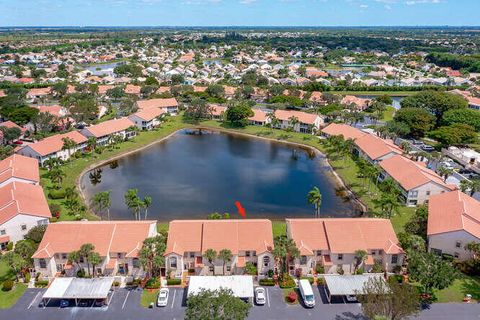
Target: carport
(241, 286)
(78, 289)
(343, 285)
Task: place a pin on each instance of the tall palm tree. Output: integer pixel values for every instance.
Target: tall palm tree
(406, 147)
(133, 202)
(147, 201)
(284, 250)
(74, 257)
(292, 122)
(85, 252)
(210, 255)
(101, 201)
(444, 172)
(315, 197)
(68, 144)
(56, 175)
(95, 259)
(360, 257)
(91, 143)
(226, 256)
(388, 204)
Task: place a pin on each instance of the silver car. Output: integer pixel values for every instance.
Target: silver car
(162, 299)
(259, 296)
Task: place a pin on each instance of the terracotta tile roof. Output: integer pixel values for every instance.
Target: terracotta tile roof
(11, 124)
(102, 89)
(55, 143)
(132, 89)
(360, 103)
(259, 115)
(199, 89)
(410, 174)
(22, 198)
(235, 235)
(110, 127)
(453, 211)
(163, 89)
(303, 117)
(217, 109)
(376, 147)
(229, 91)
(55, 110)
(343, 235)
(149, 114)
(157, 103)
(17, 166)
(2, 93)
(107, 237)
(348, 132)
(37, 92)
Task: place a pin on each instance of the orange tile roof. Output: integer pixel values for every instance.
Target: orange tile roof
(110, 127)
(39, 92)
(199, 89)
(453, 211)
(348, 132)
(22, 198)
(258, 115)
(132, 89)
(11, 124)
(163, 89)
(360, 103)
(55, 110)
(343, 235)
(303, 117)
(102, 89)
(157, 103)
(107, 237)
(410, 174)
(235, 235)
(55, 143)
(17, 166)
(149, 114)
(376, 147)
(217, 109)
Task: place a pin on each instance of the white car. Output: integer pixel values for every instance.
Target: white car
(259, 295)
(162, 299)
(351, 298)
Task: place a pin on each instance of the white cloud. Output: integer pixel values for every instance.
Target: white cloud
(414, 2)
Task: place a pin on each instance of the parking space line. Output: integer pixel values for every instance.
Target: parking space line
(111, 297)
(173, 300)
(125, 301)
(268, 298)
(34, 299)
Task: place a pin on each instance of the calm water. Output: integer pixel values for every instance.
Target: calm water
(190, 176)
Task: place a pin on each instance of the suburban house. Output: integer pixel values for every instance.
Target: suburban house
(10, 124)
(117, 242)
(368, 146)
(169, 105)
(54, 147)
(147, 119)
(306, 122)
(332, 243)
(415, 181)
(108, 129)
(20, 169)
(259, 118)
(22, 207)
(249, 240)
(453, 222)
(38, 93)
(217, 111)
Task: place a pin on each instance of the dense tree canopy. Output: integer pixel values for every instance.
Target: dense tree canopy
(466, 116)
(216, 305)
(455, 134)
(430, 270)
(418, 120)
(238, 114)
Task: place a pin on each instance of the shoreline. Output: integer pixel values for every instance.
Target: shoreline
(338, 180)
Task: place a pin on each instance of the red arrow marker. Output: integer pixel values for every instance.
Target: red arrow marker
(241, 210)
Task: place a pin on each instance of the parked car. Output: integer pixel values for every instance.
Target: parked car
(64, 303)
(83, 303)
(427, 148)
(447, 165)
(259, 295)
(417, 142)
(162, 299)
(351, 298)
(307, 293)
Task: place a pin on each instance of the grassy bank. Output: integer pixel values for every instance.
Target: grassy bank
(148, 296)
(9, 298)
(460, 287)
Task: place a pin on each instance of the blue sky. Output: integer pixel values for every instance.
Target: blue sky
(238, 12)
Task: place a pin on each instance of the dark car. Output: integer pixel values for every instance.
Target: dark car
(427, 148)
(64, 303)
(83, 303)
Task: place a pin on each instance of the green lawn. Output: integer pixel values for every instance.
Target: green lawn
(162, 226)
(278, 228)
(287, 291)
(9, 298)
(388, 114)
(460, 287)
(148, 296)
(5, 272)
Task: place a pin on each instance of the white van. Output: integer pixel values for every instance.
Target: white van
(307, 293)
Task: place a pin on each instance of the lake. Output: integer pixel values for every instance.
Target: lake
(192, 175)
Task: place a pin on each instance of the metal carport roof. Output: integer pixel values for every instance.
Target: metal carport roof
(79, 288)
(341, 285)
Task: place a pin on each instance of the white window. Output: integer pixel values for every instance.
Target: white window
(3, 232)
(266, 261)
(192, 254)
(228, 268)
(340, 256)
(303, 260)
(173, 262)
(247, 253)
(23, 227)
(42, 263)
(319, 253)
(458, 244)
(64, 256)
(456, 255)
(394, 259)
(413, 194)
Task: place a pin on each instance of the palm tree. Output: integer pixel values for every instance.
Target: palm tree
(101, 201)
(406, 147)
(388, 203)
(85, 252)
(371, 172)
(133, 202)
(284, 250)
(51, 163)
(95, 259)
(292, 122)
(389, 186)
(68, 144)
(226, 256)
(91, 143)
(444, 172)
(74, 257)
(274, 122)
(210, 255)
(56, 175)
(360, 257)
(315, 197)
(147, 201)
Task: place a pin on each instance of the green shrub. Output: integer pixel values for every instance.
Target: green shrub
(321, 281)
(56, 194)
(250, 269)
(27, 277)
(10, 246)
(174, 282)
(7, 285)
(287, 282)
(41, 283)
(377, 268)
(266, 282)
(320, 269)
(447, 257)
(116, 283)
(53, 219)
(153, 283)
(360, 271)
(270, 273)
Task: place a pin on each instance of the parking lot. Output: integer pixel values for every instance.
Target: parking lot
(125, 304)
